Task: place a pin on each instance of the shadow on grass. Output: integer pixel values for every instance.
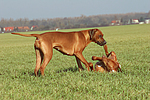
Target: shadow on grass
(72, 69)
(22, 75)
(29, 73)
(75, 69)
(32, 73)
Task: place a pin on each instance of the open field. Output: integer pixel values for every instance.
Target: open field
(62, 80)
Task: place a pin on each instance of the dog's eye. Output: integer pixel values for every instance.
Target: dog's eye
(100, 36)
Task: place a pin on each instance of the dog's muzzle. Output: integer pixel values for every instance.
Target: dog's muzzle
(101, 43)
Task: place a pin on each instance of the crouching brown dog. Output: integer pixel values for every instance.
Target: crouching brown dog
(68, 43)
(106, 64)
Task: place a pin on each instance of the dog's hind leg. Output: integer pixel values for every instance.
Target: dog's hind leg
(47, 53)
(39, 59)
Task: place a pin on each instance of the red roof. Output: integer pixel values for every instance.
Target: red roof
(8, 28)
(113, 21)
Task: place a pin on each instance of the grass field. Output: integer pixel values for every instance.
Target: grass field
(62, 81)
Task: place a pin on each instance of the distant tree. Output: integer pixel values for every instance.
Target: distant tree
(121, 20)
(44, 22)
(104, 22)
(141, 19)
(3, 22)
(73, 22)
(46, 28)
(115, 17)
(33, 22)
(148, 14)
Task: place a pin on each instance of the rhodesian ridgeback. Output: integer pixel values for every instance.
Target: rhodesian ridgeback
(68, 43)
(106, 64)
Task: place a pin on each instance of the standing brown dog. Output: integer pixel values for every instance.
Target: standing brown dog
(69, 43)
(107, 64)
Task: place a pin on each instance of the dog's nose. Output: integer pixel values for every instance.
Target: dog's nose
(101, 43)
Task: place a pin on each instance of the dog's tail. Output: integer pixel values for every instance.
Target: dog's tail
(27, 35)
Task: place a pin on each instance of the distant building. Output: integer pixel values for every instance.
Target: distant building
(8, 29)
(1, 29)
(115, 22)
(133, 21)
(57, 29)
(34, 27)
(147, 20)
(23, 28)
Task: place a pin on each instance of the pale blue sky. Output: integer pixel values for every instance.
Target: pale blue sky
(38, 9)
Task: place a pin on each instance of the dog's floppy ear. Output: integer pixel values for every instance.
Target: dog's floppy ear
(105, 61)
(91, 33)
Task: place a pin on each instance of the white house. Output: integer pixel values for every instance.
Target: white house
(135, 21)
(147, 20)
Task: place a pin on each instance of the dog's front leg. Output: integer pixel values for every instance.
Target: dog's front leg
(96, 58)
(79, 64)
(106, 50)
(83, 60)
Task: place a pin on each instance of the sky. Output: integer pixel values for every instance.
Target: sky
(43, 9)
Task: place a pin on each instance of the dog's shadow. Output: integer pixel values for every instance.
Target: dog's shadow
(75, 69)
(72, 69)
(30, 73)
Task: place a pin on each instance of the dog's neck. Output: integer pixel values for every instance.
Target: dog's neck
(87, 37)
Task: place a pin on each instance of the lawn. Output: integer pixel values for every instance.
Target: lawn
(63, 81)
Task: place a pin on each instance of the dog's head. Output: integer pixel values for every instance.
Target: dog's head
(100, 67)
(109, 63)
(97, 36)
(112, 65)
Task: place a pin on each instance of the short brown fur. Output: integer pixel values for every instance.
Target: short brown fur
(106, 64)
(68, 43)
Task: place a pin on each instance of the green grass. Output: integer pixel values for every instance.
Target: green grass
(62, 80)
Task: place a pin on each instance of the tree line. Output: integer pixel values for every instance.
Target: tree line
(74, 22)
